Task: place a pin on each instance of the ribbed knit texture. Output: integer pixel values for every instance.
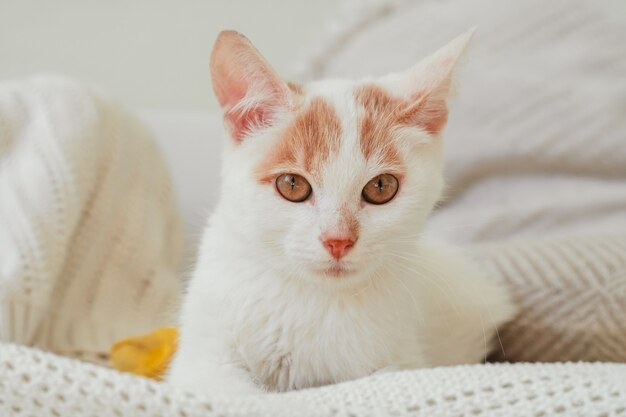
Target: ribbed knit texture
(89, 234)
(33, 383)
(571, 295)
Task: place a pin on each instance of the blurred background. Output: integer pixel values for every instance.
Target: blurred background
(151, 54)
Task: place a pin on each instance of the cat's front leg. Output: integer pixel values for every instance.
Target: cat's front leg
(209, 375)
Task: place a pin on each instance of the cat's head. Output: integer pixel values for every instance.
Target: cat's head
(332, 180)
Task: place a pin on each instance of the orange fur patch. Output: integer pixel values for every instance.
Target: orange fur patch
(428, 112)
(308, 142)
(384, 112)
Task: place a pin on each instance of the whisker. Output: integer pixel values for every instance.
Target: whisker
(446, 287)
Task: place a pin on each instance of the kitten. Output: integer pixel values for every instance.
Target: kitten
(312, 270)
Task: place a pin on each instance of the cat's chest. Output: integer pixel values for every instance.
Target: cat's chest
(292, 341)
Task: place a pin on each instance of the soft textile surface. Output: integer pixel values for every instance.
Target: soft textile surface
(40, 384)
(89, 235)
(571, 295)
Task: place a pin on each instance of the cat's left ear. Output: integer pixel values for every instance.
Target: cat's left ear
(249, 91)
(429, 83)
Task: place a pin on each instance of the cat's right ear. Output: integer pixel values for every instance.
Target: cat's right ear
(249, 91)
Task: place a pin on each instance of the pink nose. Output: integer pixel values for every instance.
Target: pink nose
(338, 248)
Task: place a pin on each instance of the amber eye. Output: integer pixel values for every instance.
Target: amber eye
(293, 187)
(380, 189)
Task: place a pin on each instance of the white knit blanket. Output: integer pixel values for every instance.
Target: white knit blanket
(33, 383)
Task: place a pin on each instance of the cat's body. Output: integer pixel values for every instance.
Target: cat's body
(324, 278)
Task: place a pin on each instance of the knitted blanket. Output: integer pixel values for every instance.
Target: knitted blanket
(89, 235)
(33, 383)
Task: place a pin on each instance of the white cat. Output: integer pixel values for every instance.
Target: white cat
(312, 270)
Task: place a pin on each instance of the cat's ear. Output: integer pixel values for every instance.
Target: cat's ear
(249, 91)
(429, 84)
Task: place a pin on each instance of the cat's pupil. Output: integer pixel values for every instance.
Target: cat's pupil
(292, 182)
(379, 185)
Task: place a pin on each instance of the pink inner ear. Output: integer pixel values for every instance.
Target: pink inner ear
(247, 88)
(229, 93)
(242, 121)
(429, 112)
(239, 120)
(433, 116)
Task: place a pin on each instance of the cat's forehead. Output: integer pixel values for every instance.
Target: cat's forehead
(337, 125)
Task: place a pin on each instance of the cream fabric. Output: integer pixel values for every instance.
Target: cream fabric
(571, 295)
(33, 383)
(89, 234)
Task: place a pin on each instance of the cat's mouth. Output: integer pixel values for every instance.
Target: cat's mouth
(337, 270)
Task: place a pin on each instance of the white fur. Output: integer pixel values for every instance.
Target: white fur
(257, 315)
